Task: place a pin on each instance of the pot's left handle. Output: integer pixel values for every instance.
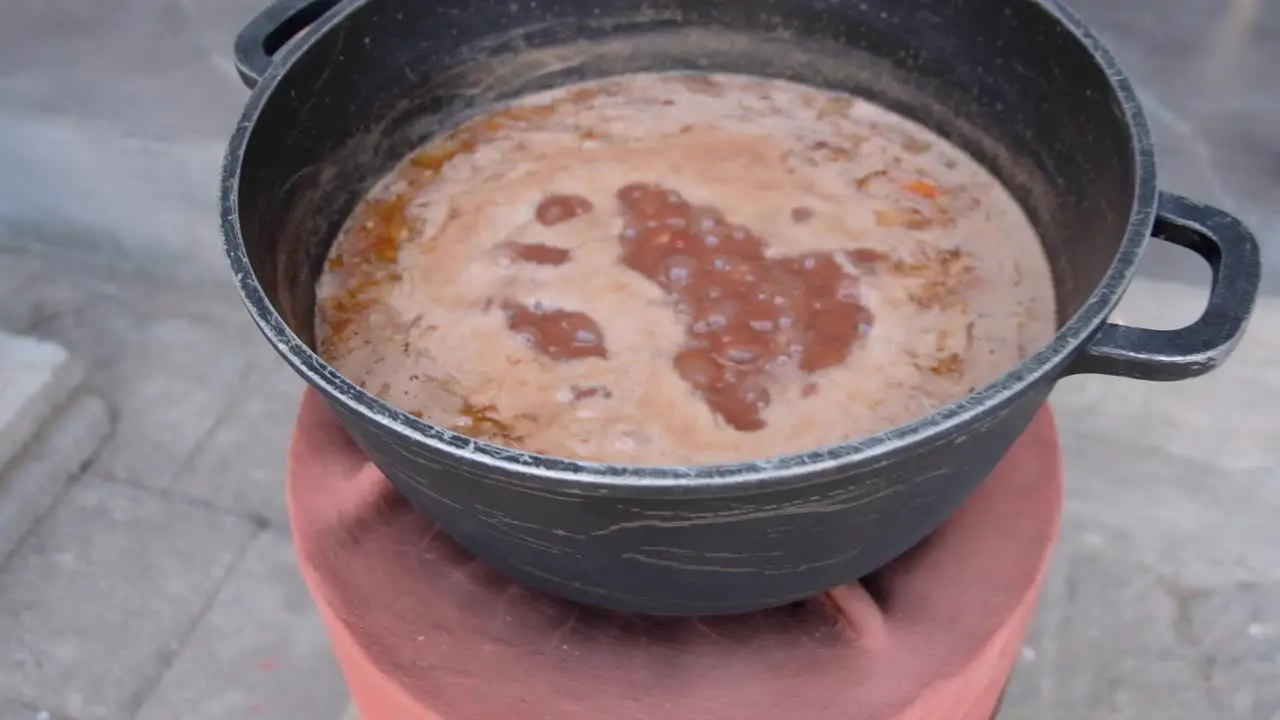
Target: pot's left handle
(276, 25)
(1232, 253)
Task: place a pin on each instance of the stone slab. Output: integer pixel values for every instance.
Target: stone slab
(171, 385)
(1195, 523)
(103, 593)
(156, 71)
(261, 651)
(14, 710)
(35, 377)
(1109, 645)
(34, 481)
(137, 200)
(1239, 627)
(1116, 640)
(240, 465)
(1163, 597)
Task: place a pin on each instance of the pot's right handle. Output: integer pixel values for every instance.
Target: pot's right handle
(1232, 253)
(266, 33)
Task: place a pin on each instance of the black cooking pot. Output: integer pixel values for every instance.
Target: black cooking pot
(1021, 84)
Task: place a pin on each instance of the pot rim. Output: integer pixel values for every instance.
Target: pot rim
(563, 475)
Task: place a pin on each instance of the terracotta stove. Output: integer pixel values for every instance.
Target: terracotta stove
(424, 631)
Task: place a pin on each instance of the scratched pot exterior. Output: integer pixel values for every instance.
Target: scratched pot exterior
(1020, 84)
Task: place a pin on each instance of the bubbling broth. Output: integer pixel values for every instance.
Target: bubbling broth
(683, 269)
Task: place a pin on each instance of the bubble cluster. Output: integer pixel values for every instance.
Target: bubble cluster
(559, 334)
(556, 209)
(746, 315)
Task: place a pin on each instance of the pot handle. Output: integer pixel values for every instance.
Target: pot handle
(266, 33)
(1232, 253)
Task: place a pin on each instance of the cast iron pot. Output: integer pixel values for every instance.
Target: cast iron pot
(343, 89)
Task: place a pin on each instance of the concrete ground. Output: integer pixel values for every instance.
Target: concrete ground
(159, 584)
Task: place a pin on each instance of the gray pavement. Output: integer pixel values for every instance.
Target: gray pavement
(159, 584)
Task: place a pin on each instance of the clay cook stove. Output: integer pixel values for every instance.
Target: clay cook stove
(424, 631)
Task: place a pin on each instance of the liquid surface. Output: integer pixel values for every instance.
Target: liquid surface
(683, 269)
